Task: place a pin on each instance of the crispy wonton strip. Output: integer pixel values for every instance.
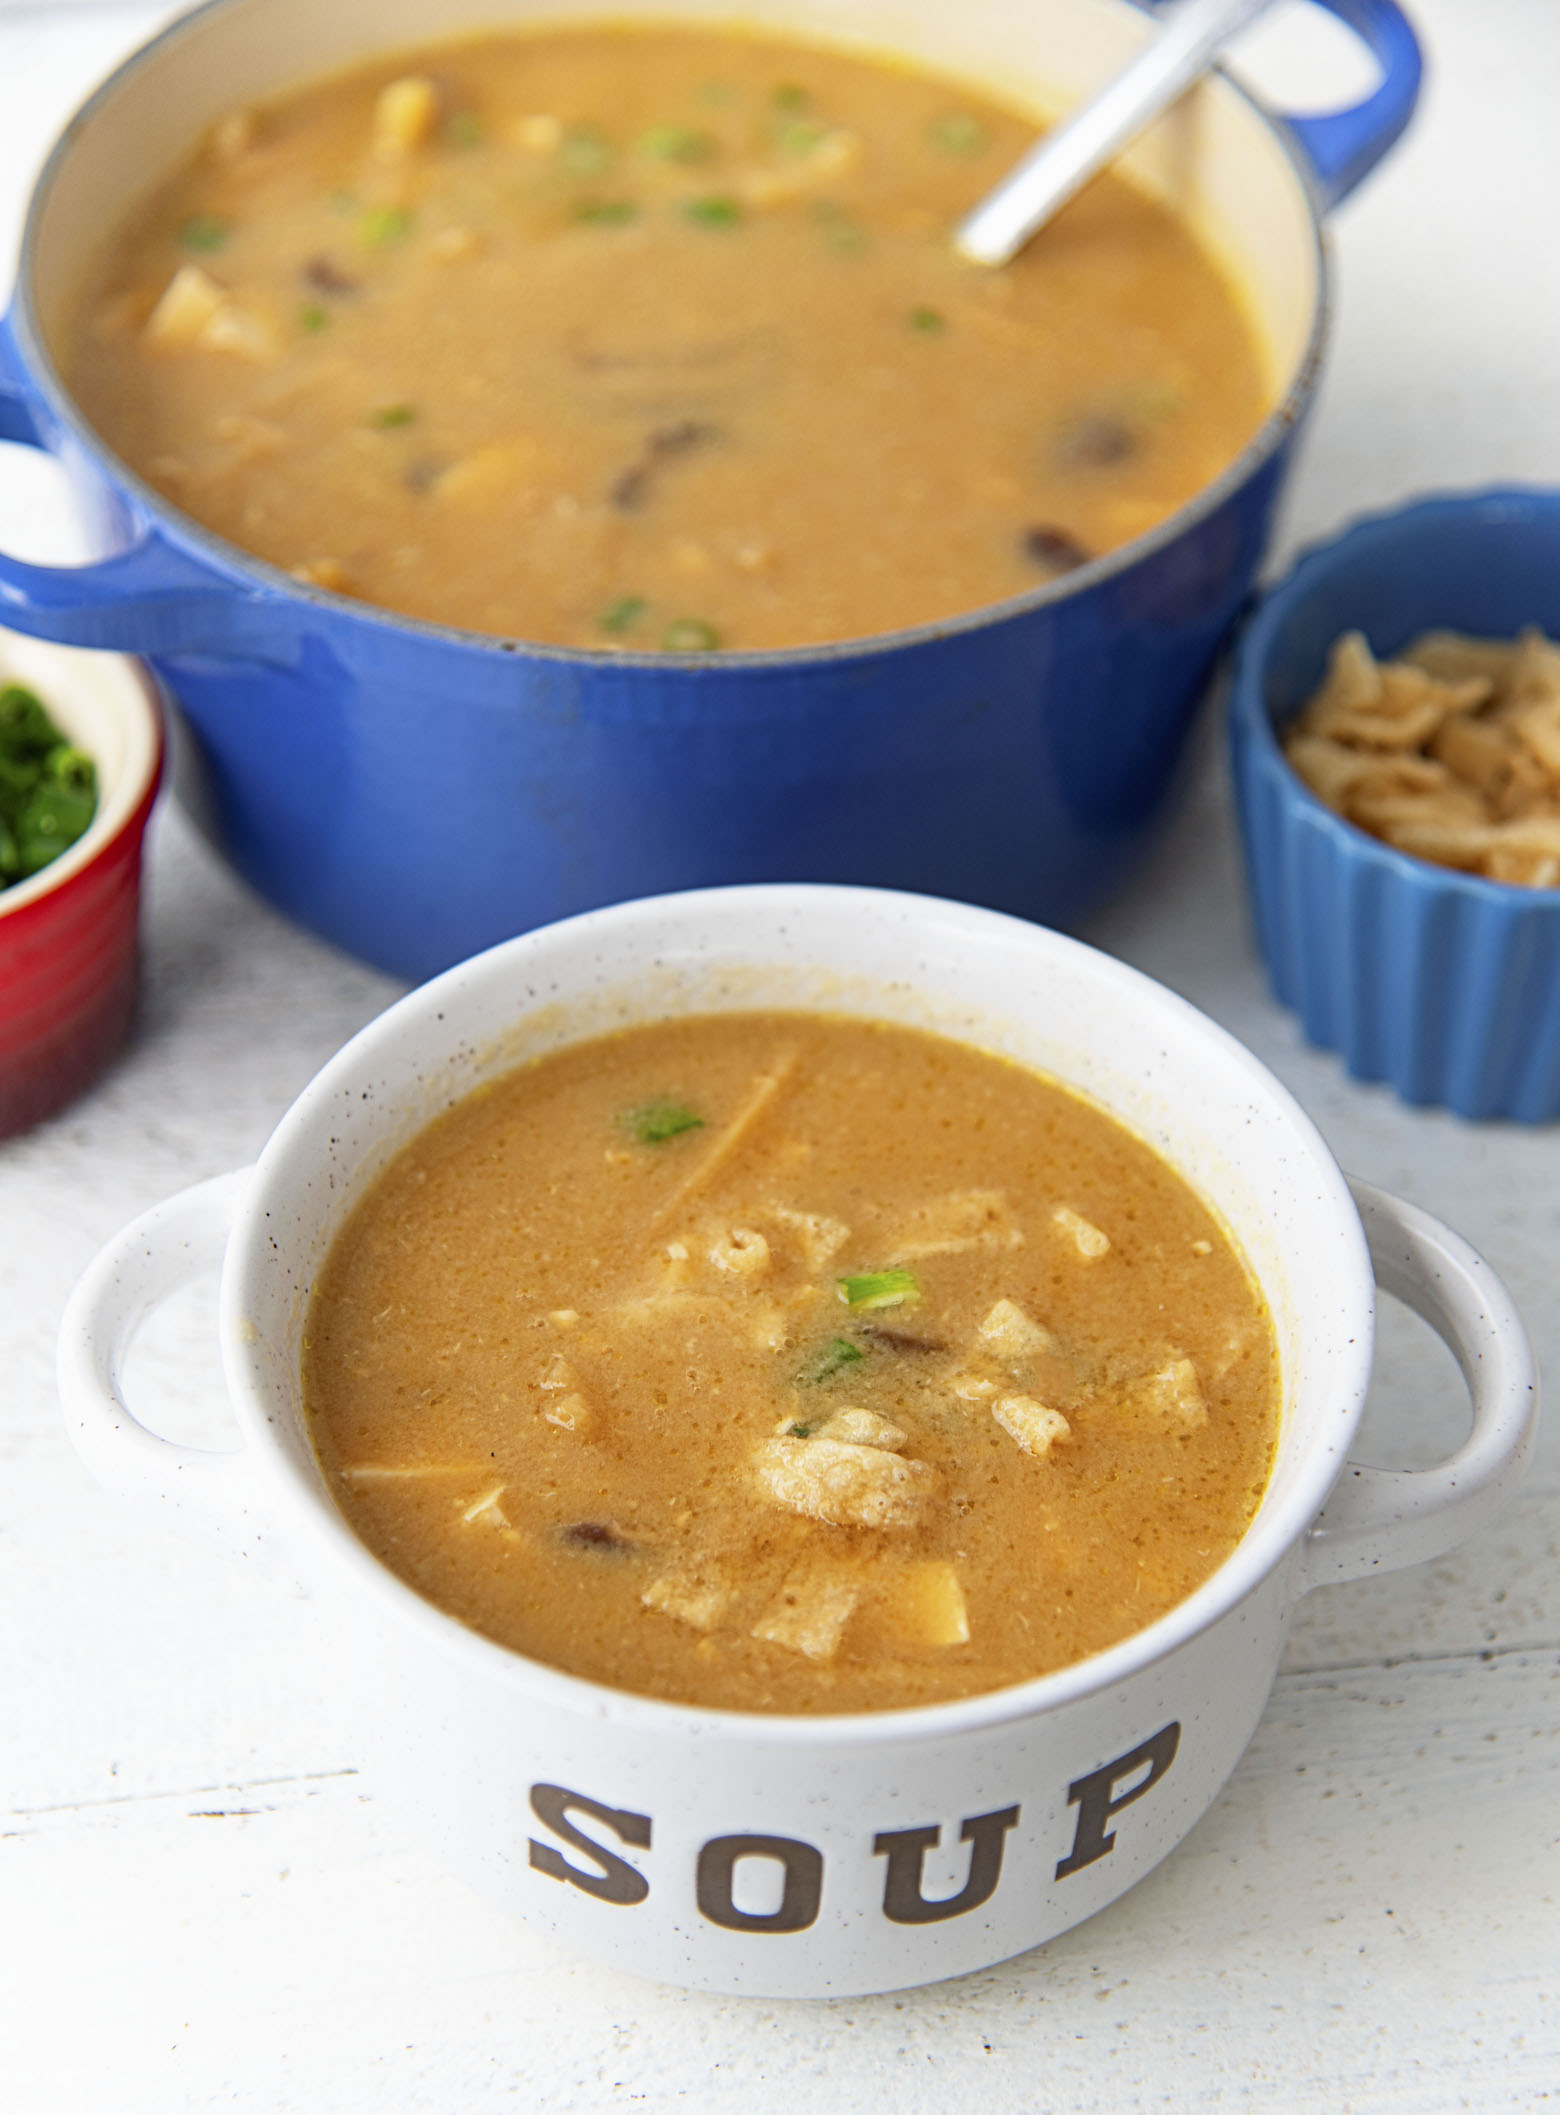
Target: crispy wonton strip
(765, 1089)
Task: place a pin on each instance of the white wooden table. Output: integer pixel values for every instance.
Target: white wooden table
(201, 1906)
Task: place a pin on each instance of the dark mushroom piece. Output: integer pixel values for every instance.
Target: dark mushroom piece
(631, 488)
(327, 277)
(1093, 441)
(901, 1339)
(594, 1535)
(1054, 549)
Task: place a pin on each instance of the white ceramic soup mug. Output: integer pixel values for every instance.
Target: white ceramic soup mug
(813, 1856)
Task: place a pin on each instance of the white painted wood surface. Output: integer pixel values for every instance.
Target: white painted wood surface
(200, 1904)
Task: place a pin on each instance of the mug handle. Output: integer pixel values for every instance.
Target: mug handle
(1345, 145)
(1378, 1520)
(203, 1495)
(146, 599)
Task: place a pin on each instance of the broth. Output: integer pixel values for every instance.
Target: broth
(784, 1362)
(655, 339)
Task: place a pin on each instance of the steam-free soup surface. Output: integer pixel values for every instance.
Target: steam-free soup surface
(655, 339)
(790, 1363)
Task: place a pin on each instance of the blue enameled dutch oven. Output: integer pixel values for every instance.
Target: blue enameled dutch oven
(416, 793)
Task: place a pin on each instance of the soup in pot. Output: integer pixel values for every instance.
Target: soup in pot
(655, 339)
(783, 1362)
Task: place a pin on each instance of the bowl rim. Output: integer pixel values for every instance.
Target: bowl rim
(1264, 1549)
(1323, 559)
(230, 559)
(124, 802)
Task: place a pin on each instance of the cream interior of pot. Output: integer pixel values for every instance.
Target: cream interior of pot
(1214, 158)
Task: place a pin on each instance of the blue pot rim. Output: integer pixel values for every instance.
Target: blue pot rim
(1251, 716)
(229, 560)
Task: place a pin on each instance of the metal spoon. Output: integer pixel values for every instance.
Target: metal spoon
(1191, 36)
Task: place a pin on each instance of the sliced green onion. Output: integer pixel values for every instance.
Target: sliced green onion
(205, 231)
(928, 321)
(313, 318)
(690, 635)
(716, 212)
(677, 143)
(584, 150)
(653, 1123)
(606, 212)
(798, 136)
(800, 1431)
(465, 129)
(833, 1359)
(379, 226)
(959, 133)
(622, 615)
(879, 1288)
(73, 768)
(790, 95)
(389, 415)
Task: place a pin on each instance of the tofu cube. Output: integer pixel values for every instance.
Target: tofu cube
(843, 1484)
(1035, 1427)
(1012, 1334)
(1172, 1396)
(188, 303)
(1085, 1237)
(697, 1597)
(405, 113)
(809, 1614)
(862, 1428)
(930, 1604)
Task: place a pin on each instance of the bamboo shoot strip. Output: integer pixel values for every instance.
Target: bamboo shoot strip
(765, 1088)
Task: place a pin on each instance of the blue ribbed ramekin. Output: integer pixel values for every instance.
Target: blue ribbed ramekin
(1443, 984)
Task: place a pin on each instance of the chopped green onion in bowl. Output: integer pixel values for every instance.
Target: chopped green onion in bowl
(879, 1288)
(715, 212)
(833, 1359)
(205, 232)
(690, 635)
(653, 1123)
(48, 787)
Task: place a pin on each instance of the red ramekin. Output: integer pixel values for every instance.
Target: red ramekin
(69, 938)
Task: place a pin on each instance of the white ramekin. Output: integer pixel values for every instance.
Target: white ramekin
(820, 1856)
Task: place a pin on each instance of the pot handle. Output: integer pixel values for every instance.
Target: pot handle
(203, 1495)
(146, 599)
(1378, 1520)
(1344, 146)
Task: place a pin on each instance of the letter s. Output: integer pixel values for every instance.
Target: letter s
(617, 1881)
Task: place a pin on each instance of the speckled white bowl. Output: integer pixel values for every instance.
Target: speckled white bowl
(822, 1856)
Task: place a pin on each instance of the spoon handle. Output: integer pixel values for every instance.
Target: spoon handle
(1191, 34)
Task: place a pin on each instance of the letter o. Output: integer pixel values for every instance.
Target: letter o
(800, 1897)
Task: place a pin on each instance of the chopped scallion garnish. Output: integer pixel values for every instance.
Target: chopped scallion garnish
(959, 133)
(790, 95)
(832, 1359)
(653, 1123)
(465, 129)
(715, 212)
(389, 415)
(879, 1288)
(928, 321)
(312, 317)
(622, 615)
(690, 635)
(606, 212)
(677, 143)
(381, 225)
(205, 231)
(798, 136)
